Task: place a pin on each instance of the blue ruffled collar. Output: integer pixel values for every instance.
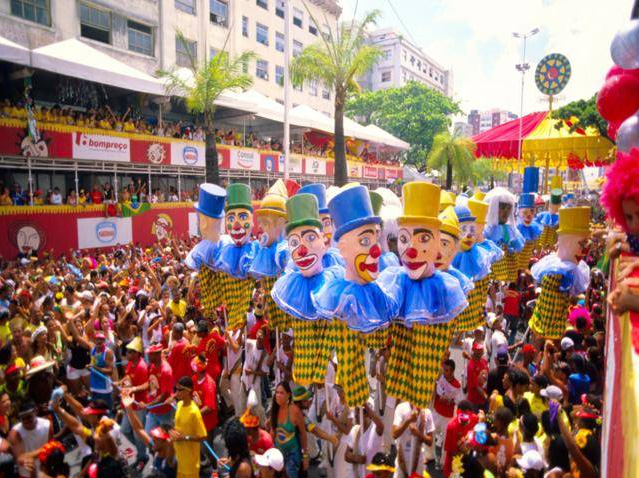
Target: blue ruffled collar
(269, 261)
(292, 291)
(531, 232)
(434, 300)
(205, 253)
(474, 263)
(547, 218)
(236, 261)
(505, 234)
(466, 284)
(575, 278)
(388, 259)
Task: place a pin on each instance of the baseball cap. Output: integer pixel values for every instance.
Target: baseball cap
(531, 460)
(478, 346)
(552, 392)
(272, 458)
(567, 343)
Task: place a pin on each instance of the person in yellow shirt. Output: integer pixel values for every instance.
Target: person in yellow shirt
(104, 123)
(5, 331)
(129, 126)
(177, 304)
(189, 430)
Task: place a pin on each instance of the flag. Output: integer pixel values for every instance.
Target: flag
(130, 209)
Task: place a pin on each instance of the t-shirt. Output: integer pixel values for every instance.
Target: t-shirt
(205, 394)
(264, 442)
(137, 374)
(537, 404)
(160, 383)
(449, 390)
(180, 359)
(178, 308)
(405, 442)
(367, 443)
(455, 431)
(579, 384)
(475, 367)
(211, 346)
(511, 303)
(188, 421)
(96, 197)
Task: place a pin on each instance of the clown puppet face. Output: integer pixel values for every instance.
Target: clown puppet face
(572, 247)
(526, 214)
(554, 208)
(505, 209)
(468, 234)
(307, 247)
(418, 247)
(210, 227)
(327, 227)
(448, 248)
(239, 224)
(361, 251)
(272, 226)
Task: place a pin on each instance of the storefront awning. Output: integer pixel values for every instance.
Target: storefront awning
(77, 59)
(14, 53)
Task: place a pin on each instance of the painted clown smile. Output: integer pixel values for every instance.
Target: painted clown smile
(367, 266)
(467, 243)
(306, 262)
(238, 235)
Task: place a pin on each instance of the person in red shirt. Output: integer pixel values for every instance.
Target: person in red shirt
(259, 440)
(135, 382)
(512, 301)
(96, 194)
(476, 375)
(160, 389)
(210, 346)
(447, 393)
(205, 393)
(463, 422)
(180, 354)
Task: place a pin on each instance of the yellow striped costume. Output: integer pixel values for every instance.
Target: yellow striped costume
(277, 318)
(312, 347)
(550, 315)
(505, 269)
(211, 291)
(238, 295)
(523, 258)
(351, 368)
(473, 315)
(548, 236)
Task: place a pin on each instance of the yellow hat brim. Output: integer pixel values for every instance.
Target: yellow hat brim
(381, 468)
(267, 210)
(450, 230)
(431, 221)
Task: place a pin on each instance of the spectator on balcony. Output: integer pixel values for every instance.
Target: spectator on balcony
(173, 196)
(38, 200)
(96, 195)
(18, 196)
(56, 197)
(108, 193)
(72, 198)
(5, 197)
(82, 197)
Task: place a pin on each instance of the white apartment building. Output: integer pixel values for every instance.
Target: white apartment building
(402, 61)
(142, 33)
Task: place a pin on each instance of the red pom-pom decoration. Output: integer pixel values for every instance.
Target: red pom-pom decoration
(613, 127)
(617, 70)
(619, 97)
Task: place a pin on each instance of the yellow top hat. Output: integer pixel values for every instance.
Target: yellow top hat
(450, 222)
(574, 220)
(479, 209)
(556, 182)
(274, 201)
(453, 196)
(136, 345)
(479, 195)
(421, 203)
(445, 199)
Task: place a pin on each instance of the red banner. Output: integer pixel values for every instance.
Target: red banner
(17, 142)
(369, 172)
(148, 152)
(392, 173)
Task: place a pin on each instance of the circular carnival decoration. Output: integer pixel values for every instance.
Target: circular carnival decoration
(552, 73)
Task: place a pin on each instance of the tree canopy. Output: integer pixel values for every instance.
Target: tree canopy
(454, 155)
(414, 113)
(586, 112)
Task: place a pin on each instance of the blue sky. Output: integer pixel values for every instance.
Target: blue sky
(474, 38)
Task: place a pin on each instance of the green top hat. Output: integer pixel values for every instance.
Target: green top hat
(302, 210)
(301, 393)
(555, 196)
(376, 202)
(238, 196)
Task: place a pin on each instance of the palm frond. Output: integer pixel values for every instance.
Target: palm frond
(314, 62)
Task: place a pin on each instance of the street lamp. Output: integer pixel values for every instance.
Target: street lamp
(523, 67)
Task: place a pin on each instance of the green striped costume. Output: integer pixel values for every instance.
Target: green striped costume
(550, 315)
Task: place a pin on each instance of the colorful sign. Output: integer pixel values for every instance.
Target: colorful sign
(370, 172)
(104, 232)
(270, 162)
(246, 159)
(194, 225)
(354, 170)
(188, 154)
(392, 173)
(315, 166)
(101, 147)
(148, 152)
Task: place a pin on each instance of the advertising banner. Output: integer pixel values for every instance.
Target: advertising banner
(188, 154)
(148, 152)
(315, 166)
(194, 225)
(381, 173)
(51, 144)
(354, 170)
(295, 165)
(223, 158)
(104, 232)
(271, 163)
(245, 159)
(101, 147)
(392, 173)
(370, 172)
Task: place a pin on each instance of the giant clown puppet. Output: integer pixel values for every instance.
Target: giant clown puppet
(562, 274)
(449, 233)
(236, 258)
(529, 229)
(202, 258)
(355, 301)
(549, 219)
(292, 291)
(426, 300)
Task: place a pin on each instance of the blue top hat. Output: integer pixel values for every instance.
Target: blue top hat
(211, 200)
(531, 180)
(350, 209)
(526, 200)
(319, 191)
(464, 214)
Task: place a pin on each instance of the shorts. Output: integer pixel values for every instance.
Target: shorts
(76, 374)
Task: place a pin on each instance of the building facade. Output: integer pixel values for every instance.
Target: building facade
(142, 33)
(480, 121)
(401, 62)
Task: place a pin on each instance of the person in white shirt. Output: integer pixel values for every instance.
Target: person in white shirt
(232, 373)
(364, 441)
(31, 433)
(467, 350)
(412, 429)
(255, 367)
(340, 416)
(384, 405)
(56, 197)
(498, 340)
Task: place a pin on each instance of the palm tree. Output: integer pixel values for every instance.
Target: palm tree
(199, 89)
(338, 60)
(452, 152)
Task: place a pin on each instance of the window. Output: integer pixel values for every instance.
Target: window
(298, 17)
(386, 54)
(326, 94)
(262, 3)
(187, 6)
(261, 33)
(386, 76)
(419, 65)
(245, 26)
(261, 69)
(212, 53)
(279, 8)
(140, 38)
(297, 48)
(312, 87)
(95, 23)
(33, 10)
(279, 41)
(326, 32)
(185, 50)
(279, 75)
(219, 12)
(312, 28)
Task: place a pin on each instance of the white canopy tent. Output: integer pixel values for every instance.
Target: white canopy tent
(77, 59)
(387, 138)
(14, 53)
